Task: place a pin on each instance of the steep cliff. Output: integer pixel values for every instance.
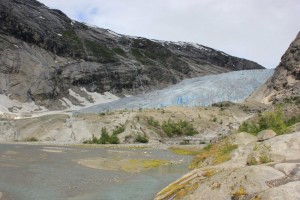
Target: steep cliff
(285, 82)
(44, 54)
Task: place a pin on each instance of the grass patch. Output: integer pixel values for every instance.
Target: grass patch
(134, 165)
(239, 193)
(184, 151)
(121, 164)
(216, 153)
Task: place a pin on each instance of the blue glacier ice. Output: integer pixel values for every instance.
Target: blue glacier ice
(202, 91)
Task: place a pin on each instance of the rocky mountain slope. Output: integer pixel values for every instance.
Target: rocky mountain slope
(43, 54)
(285, 82)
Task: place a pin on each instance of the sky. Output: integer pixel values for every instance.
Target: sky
(258, 30)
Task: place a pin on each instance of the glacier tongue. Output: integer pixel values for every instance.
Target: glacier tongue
(203, 91)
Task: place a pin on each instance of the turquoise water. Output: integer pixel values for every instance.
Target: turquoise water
(28, 172)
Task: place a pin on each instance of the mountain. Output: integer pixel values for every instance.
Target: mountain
(285, 82)
(44, 55)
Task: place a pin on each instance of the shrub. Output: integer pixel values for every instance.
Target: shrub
(119, 130)
(105, 138)
(141, 139)
(180, 128)
(214, 119)
(274, 120)
(114, 139)
(151, 121)
(31, 139)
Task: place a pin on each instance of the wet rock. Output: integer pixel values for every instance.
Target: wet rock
(265, 135)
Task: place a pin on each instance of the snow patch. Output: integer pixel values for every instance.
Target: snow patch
(99, 98)
(18, 108)
(112, 33)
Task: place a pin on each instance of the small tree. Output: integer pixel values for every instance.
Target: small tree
(104, 139)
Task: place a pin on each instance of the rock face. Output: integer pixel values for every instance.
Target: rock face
(43, 54)
(286, 80)
(236, 179)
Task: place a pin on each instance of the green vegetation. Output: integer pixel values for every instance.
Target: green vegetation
(105, 138)
(71, 35)
(274, 120)
(151, 121)
(73, 42)
(119, 51)
(185, 151)
(216, 153)
(140, 56)
(178, 128)
(99, 51)
(214, 119)
(31, 139)
(141, 139)
(261, 154)
(119, 129)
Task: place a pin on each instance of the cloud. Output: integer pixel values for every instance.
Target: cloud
(259, 30)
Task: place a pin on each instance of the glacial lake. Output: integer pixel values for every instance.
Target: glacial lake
(45, 172)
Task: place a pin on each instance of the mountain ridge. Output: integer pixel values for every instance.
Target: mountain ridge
(44, 54)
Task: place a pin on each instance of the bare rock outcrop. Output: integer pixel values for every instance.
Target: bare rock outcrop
(285, 82)
(236, 179)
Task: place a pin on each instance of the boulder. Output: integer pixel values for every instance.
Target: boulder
(242, 138)
(265, 135)
(285, 146)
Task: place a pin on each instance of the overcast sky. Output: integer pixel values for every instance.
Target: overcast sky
(259, 30)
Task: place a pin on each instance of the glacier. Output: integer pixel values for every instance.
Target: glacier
(201, 91)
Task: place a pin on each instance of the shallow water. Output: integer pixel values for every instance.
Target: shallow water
(35, 172)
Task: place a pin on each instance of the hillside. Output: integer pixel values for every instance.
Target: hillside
(43, 54)
(285, 82)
